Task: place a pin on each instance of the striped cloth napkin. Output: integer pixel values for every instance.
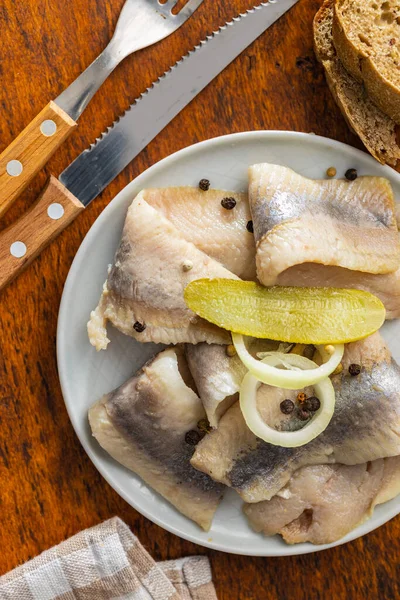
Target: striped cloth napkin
(107, 562)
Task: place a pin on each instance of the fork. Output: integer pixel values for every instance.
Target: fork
(141, 23)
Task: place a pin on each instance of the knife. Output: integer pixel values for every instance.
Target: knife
(86, 177)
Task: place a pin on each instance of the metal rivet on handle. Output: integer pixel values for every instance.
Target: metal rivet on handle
(48, 128)
(14, 168)
(55, 211)
(18, 249)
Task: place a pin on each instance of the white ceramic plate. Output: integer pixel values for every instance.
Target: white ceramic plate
(86, 374)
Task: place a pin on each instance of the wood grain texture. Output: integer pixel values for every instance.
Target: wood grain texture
(36, 229)
(32, 149)
(49, 488)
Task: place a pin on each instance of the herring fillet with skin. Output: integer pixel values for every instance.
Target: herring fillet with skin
(88, 175)
(143, 425)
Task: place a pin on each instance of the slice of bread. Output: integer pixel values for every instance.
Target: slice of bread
(366, 35)
(377, 131)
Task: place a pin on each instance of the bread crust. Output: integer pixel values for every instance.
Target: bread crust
(323, 48)
(355, 58)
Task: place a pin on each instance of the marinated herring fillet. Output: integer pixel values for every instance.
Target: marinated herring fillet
(302, 225)
(216, 231)
(364, 427)
(145, 285)
(322, 503)
(335, 222)
(143, 423)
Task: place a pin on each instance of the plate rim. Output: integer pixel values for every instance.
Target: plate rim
(60, 336)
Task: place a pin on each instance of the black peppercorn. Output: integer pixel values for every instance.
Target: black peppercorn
(303, 414)
(351, 174)
(354, 370)
(249, 226)
(139, 327)
(312, 404)
(192, 437)
(204, 184)
(228, 203)
(287, 406)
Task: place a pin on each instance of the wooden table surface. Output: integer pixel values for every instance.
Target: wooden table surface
(49, 488)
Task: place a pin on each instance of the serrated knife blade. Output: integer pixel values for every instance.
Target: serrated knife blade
(87, 176)
(96, 167)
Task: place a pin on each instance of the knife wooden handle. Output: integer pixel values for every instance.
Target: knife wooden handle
(25, 239)
(30, 151)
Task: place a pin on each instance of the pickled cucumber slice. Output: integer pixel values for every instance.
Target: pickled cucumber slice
(288, 314)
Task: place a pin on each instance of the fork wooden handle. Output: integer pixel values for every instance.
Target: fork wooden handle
(25, 239)
(30, 151)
